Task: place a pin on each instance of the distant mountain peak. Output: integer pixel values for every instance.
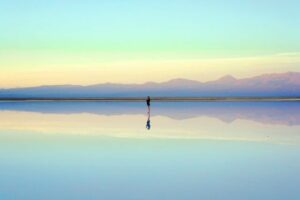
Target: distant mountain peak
(227, 78)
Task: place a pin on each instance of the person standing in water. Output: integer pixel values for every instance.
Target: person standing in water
(148, 124)
(148, 103)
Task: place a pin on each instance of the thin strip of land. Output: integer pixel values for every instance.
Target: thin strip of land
(159, 99)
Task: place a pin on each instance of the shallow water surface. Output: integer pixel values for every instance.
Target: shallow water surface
(182, 150)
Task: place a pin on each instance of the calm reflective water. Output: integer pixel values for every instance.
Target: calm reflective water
(106, 150)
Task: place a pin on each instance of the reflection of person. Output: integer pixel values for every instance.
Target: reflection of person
(148, 103)
(148, 124)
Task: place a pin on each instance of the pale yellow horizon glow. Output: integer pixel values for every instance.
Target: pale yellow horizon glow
(47, 69)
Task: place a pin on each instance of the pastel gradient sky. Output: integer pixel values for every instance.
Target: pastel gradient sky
(135, 41)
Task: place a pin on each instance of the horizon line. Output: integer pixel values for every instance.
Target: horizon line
(160, 99)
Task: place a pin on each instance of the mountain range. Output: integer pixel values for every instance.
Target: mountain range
(283, 84)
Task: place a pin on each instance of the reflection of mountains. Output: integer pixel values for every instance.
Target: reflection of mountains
(287, 113)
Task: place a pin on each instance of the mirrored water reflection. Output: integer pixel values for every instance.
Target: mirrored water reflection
(191, 150)
(265, 112)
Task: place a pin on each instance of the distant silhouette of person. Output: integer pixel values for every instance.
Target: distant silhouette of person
(148, 103)
(148, 123)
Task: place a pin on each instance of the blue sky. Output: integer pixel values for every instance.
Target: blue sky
(37, 33)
